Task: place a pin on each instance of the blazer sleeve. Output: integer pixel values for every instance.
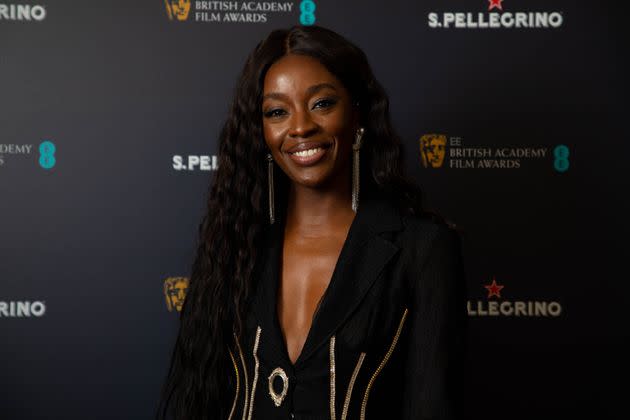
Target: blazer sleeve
(435, 353)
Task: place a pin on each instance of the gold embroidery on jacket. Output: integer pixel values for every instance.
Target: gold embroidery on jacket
(383, 362)
(278, 398)
(353, 378)
(332, 378)
(237, 385)
(251, 400)
(240, 353)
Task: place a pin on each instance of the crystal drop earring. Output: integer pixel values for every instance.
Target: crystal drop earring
(270, 187)
(355, 168)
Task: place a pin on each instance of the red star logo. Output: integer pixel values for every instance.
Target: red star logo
(494, 289)
(495, 4)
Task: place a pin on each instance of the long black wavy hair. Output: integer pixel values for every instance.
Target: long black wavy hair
(221, 281)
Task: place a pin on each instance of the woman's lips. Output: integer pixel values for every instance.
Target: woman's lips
(308, 156)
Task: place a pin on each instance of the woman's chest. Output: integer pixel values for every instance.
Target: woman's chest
(307, 268)
(349, 356)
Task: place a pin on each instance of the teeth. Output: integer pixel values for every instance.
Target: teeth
(308, 152)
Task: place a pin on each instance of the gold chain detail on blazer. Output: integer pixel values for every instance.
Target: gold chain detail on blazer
(240, 353)
(353, 378)
(277, 399)
(332, 378)
(251, 400)
(380, 367)
(237, 385)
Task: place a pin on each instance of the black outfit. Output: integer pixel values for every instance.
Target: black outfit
(386, 340)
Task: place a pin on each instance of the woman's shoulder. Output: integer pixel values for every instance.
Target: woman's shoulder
(426, 229)
(427, 240)
(415, 230)
(430, 253)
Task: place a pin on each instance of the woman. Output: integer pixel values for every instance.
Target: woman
(321, 289)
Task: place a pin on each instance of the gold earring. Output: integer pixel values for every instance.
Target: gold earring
(270, 187)
(355, 168)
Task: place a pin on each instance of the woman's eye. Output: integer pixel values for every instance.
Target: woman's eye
(274, 113)
(324, 103)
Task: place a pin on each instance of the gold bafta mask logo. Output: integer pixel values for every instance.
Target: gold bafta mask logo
(175, 292)
(432, 150)
(177, 9)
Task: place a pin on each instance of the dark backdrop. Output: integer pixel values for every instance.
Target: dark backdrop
(90, 233)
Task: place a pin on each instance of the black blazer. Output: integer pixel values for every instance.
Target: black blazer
(386, 341)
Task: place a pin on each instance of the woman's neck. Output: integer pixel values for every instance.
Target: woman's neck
(314, 212)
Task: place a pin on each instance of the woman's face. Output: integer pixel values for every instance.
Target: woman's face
(309, 121)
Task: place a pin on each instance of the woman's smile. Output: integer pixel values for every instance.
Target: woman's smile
(308, 153)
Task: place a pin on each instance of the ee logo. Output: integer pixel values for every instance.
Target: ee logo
(307, 9)
(47, 154)
(561, 158)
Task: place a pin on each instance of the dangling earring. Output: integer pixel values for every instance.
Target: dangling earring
(355, 168)
(270, 187)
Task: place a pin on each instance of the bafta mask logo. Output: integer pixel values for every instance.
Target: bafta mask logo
(177, 9)
(175, 292)
(432, 150)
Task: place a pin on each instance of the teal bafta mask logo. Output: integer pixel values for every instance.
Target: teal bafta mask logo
(307, 12)
(47, 154)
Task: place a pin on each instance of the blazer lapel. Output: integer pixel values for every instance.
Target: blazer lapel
(362, 258)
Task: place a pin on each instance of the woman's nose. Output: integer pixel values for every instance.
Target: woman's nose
(302, 124)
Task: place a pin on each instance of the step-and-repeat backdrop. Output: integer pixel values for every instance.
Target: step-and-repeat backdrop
(513, 114)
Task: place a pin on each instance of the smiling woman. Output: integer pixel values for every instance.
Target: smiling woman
(308, 121)
(308, 300)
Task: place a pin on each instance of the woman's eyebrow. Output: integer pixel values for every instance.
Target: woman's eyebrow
(310, 91)
(316, 88)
